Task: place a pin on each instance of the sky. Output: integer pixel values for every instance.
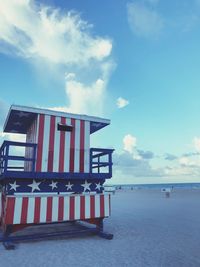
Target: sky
(135, 62)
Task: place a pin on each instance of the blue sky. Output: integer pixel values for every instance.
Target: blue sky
(135, 62)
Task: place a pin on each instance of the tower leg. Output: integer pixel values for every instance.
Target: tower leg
(99, 229)
(101, 232)
(8, 244)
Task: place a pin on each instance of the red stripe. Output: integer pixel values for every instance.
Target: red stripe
(24, 210)
(92, 206)
(40, 142)
(62, 148)
(49, 209)
(71, 208)
(82, 138)
(82, 207)
(37, 210)
(10, 207)
(72, 147)
(102, 204)
(60, 208)
(51, 143)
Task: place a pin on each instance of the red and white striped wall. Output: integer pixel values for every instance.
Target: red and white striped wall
(60, 151)
(31, 137)
(47, 209)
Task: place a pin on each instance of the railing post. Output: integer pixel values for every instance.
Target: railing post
(34, 158)
(1, 161)
(90, 161)
(98, 164)
(6, 158)
(110, 163)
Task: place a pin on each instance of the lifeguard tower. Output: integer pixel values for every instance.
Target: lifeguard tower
(54, 176)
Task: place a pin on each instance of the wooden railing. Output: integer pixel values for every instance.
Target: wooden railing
(9, 161)
(101, 158)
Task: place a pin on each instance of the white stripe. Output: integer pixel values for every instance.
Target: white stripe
(43, 209)
(87, 206)
(26, 163)
(33, 194)
(77, 208)
(106, 205)
(97, 206)
(87, 147)
(91, 193)
(66, 209)
(65, 193)
(35, 140)
(67, 148)
(77, 146)
(31, 208)
(45, 150)
(29, 148)
(55, 209)
(18, 210)
(26, 154)
(37, 129)
(32, 138)
(56, 146)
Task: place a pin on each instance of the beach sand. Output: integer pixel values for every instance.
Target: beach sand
(149, 230)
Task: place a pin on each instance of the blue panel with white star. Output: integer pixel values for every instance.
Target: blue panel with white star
(48, 186)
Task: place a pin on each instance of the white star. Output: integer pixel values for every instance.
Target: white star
(14, 186)
(35, 186)
(53, 185)
(98, 186)
(69, 186)
(86, 186)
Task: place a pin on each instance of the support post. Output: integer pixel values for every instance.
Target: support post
(6, 158)
(8, 244)
(101, 232)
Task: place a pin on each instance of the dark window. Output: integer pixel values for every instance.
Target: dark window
(64, 127)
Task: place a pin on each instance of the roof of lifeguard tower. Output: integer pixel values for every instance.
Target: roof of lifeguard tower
(19, 118)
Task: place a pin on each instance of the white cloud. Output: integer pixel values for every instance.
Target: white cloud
(88, 98)
(193, 161)
(85, 98)
(13, 137)
(184, 161)
(178, 171)
(121, 102)
(196, 143)
(47, 36)
(136, 163)
(41, 31)
(129, 142)
(3, 111)
(136, 167)
(70, 76)
(143, 20)
(14, 150)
